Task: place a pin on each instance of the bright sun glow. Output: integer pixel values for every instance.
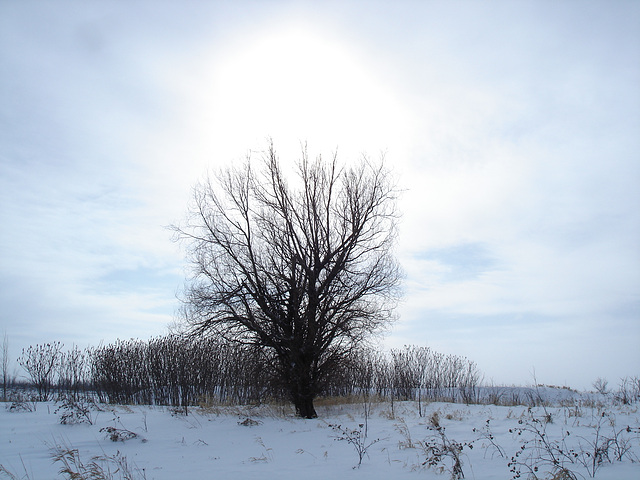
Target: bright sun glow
(295, 86)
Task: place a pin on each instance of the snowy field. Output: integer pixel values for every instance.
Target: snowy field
(588, 437)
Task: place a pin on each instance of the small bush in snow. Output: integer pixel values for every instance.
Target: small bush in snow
(75, 411)
(487, 435)
(443, 453)
(541, 451)
(23, 404)
(118, 434)
(356, 437)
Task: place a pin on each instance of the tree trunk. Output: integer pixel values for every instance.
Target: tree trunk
(304, 407)
(302, 387)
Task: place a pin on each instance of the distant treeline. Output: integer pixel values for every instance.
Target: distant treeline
(182, 371)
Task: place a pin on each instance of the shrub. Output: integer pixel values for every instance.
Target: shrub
(443, 453)
(74, 411)
(41, 362)
(357, 437)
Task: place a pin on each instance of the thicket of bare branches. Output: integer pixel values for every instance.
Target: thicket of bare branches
(178, 371)
(183, 371)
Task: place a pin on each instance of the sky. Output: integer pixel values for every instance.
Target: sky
(512, 128)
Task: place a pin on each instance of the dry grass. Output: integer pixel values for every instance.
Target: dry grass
(102, 467)
(348, 400)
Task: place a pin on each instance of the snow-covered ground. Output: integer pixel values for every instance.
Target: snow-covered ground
(269, 442)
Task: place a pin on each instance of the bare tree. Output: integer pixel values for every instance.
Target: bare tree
(5, 365)
(601, 385)
(41, 363)
(304, 270)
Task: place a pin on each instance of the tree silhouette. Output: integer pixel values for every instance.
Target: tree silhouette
(303, 269)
